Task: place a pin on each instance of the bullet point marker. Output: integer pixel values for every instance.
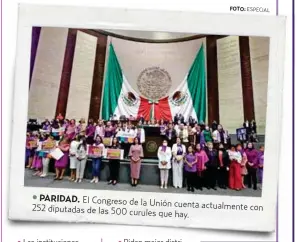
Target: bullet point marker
(34, 197)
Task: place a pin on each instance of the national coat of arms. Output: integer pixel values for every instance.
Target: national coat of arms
(129, 99)
(154, 83)
(178, 98)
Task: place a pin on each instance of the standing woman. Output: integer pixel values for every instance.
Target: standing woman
(207, 135)
(224, 164)
(197, 134)
(118, 128)
(243, 163)
(109, 130)
(162, 128)
(202, 158)
(96, 161)
(100, 129)
(71, 130)
(72, 156)
(261, 164)
(184, 135)
(235, 180)
(62, 163)
(46, 159)
(81, 128)
(114, 165)
(37, 163)
(81, 159)
(220, 136)
(178, 152)
(30, 150)
(140, 134)
(252, 165)
(212, 167)
(190, 168)
(90, 132)
(164, 155)
(170, 134)
(135, 154)
(46, 127)
(192, 135)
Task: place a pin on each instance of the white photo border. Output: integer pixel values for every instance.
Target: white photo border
(20, 197)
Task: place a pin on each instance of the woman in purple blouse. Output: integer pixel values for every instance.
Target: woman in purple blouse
(190, 168)
(109, 130)
(261, 164)
(90, 132)
(252, 165)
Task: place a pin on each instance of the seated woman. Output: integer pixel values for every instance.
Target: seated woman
(164, 156)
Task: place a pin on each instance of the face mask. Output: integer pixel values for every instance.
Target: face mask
(164, 144)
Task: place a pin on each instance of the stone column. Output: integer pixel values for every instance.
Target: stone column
(34, 45)
(97, 85)
(246, 78)
(212, 80)
(66, 73)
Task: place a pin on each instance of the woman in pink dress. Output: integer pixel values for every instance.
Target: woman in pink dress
(135, 154)
(243, 163)
(202, 158)
(71, 130)
(62, 163)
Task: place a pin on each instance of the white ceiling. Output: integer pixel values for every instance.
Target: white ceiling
(150, 35)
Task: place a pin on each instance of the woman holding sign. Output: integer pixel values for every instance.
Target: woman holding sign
(114, 163)
(62, 163)
(31, 146)
(48, 146)
(164, 155)
(135, 154)
(96, 152)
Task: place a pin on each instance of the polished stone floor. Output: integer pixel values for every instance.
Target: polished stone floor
(34, 181)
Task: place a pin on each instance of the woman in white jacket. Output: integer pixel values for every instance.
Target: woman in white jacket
(81, 159)
(178, 152)
(164, 155)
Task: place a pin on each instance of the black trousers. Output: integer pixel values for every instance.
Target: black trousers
(114, 168)
(90, 140)
(252, 177)
(223, 177)
(200, 180)
(191, 177)
(170, 142)
(126, 148)
(211, 174)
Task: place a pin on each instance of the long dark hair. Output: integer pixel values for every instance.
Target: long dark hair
(83, 143)
(136, 138)
(193, 150)
(98, 136)
(116, 143)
